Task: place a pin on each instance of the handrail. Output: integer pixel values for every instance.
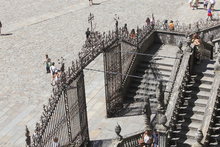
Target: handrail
(210, 106)
(170, 85)
(176, 90)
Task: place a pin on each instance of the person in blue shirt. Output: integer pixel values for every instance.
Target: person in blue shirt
(155, 139)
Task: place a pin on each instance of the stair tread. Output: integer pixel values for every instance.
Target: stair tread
(202, 85)
(138, 96)
(195, 109)
(206, 73)
(163, 61)
(193, 124)
(202, 93)
(194, 116)
(201, 101)
(190, 133)
(188, 141)
(151, 72)
(156, 66)
(205, 78)
(146, 78)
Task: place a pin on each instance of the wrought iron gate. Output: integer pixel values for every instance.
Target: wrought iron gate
(66, 115)
(113, 79)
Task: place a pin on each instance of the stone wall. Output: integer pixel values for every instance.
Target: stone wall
(168, 37)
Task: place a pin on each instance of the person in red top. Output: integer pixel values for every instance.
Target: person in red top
(132, 34)
(209, 14)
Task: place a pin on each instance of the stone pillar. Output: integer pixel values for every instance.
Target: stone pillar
(162, 130)
(199, 137)
(161, 117)
(147, 114)
(118, 131)
(210, 42)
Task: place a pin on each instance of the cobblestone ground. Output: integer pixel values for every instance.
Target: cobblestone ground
(58, 28)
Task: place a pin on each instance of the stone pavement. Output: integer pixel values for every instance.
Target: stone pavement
(58, 28)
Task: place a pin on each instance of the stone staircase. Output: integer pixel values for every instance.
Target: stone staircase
(192, 111)
(151, 70)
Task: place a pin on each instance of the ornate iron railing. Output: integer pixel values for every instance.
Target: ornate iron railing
(56, 120)
(88, 53)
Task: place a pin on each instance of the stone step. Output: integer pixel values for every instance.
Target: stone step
(142, 91)
(138, 106)
(155, 73)
(144, 86)
(201, 87)
(189, 141)
(188, 126)
(214, 128)
(192, 117)
(141, 98)
(147, 78)
(207, 73)
(158, 67)
(182, 142)
(213, 144)
(198, 102)
(185, 134)
(217, 124)
(195, 109)
(204, 80)
(198, 94)
(138, 96)
(137, 83)
(160, 62)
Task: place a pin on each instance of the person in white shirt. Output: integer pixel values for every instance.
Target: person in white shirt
(55, 142)
(52, 69)
(212, 4)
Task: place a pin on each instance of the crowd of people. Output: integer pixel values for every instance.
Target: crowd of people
(149, 139)
(54, 71)
(207, 5)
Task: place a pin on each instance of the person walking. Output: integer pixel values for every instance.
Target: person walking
(212, 4)
(190, 3)
(198, 47)
(155, 139)
(132, 34)
(205, 4)
(0, 28)
(152, 22)
(53, 69)
(48, 63)
(146, 139)
(171, 26)
(209, 14)
(165, 24)
(148, 21)
(195, 4)
(90, 2)
(125, 29)
(87, 33)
